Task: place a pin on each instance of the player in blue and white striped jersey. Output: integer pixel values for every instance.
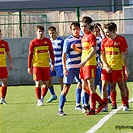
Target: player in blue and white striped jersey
(56, 70)
(71, 59)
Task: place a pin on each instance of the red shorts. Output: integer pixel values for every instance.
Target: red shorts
(3, 72)
(125, 76)
(115, 76)
(41, 73)
(87, 72)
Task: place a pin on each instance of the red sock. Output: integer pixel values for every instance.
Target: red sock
(113, 97)
(44, 91)
(127, 96)
(93, 100)
(124, 101)
(98, 99)
(106, 101)
(38, 92)
(4, 91)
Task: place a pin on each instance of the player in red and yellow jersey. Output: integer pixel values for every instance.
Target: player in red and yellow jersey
(112, 52)
(88, 65)
(4, 50)
(113, 85)
(40, 49)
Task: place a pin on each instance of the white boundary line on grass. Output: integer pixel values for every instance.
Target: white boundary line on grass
(104, 119)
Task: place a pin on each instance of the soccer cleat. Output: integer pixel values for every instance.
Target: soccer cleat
(2, 101)
(100, 107)
(53, 97)
(127, 105)
(91, 112)
(79, 107)
(105, 109)
(114, 106)
(125, 108)
(61, 113)
(42, 99)
(109, 101)
(85, 109)
(39, 103)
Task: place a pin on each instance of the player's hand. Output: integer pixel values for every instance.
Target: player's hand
(73, 46)
(65, 71)
(52, 67)
(108, 69)
(30, 70)
(10, 67)
(127, 73)
(82, 63)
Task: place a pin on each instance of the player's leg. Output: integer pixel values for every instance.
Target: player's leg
(3, 90)
(123, 95)
(4, 78)
(113, 95)
(52, 92)
(67, 80)
(109, 91)
(63, 99)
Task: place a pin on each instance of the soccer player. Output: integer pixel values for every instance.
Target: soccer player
(40, 49)
(113, 85)
(112, 51)
(88, 65)
(99, 33)
(70, 60)
(4, 50)
(57, 44)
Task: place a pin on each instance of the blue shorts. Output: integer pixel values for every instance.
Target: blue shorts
(72, 74)
(58, 71)
(98, 75)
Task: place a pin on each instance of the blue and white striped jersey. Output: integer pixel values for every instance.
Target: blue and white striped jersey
(98, 47)
(73, 58)
(58, 49)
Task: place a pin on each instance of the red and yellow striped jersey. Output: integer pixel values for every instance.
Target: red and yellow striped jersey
(88, 41)
(4, 48)
(40, 52)
(112, 49)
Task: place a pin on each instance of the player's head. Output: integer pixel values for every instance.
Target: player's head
(96, 29)
(40, 31)
(52, 32)
(109, 29)
(114, 25)
(75, 29)
(92, 28)
(85, 24)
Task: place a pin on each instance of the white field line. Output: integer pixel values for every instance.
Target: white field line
(104, 119)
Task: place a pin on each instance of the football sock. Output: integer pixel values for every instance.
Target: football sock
(38, 92)
(44, 91)
(93, 100)
(113, 97)
(4, 91)
(100, 89)
(86, 98)
(124, 101)
(78, 96)
(108, 88)
(51, 89)
(62, 101)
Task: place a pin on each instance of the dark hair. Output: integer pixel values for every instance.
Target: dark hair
(76, 24)
(87, 20)
(52, 28)
(91, 27)
(114, 25)
(109, 26)
(0, 30)
(96, 25)
(40, 27)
